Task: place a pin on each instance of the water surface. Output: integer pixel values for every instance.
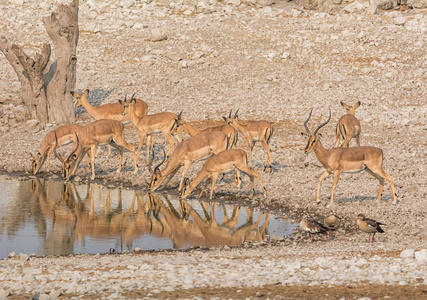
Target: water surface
(52, 217)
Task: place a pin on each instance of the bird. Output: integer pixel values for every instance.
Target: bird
(332, 223)
(312, 227)
(368, 225)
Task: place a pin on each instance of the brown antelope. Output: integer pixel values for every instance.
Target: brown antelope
(193, 149)
(148, 125)
(110, 111)
(231, 132)
(221, 162)
(255, 131)
(348, 160)
(65, 134)
(348, 126)
(89, 137)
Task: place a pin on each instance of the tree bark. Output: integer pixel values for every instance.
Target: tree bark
(47, 95)
(62, 27)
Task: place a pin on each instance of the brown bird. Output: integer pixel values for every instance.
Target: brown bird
(368, 225)
(332, 223)
(312, 227)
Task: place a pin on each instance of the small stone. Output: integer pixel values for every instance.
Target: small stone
(408, 253)
(421, 255)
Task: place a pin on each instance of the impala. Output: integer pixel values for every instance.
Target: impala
(110, 111)
(348, 126)
(148, 125)
(231, 132)
(255, 131)
(89, 137)
(65, 134)
(351, 160)
(193, 149)
(222, 162)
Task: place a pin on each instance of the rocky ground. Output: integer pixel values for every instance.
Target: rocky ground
(272, 62)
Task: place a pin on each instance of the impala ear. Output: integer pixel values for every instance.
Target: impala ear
(319, 134)
(121, 102)
(358, 103)
(87, 92)
(225, 119)
(347, 107)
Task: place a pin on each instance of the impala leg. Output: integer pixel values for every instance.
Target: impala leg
(250, 146)
(214, 179)
(165, 180)
(323, 176)
(346, 141)
(120, 149)
(141, 141)
(357, 140)
(184, 171)
(381, 175)
(48, 159)
(252, 173)
(334, 185)
(109, 151)
(237, 178)
(88, 160)
(267, 149)
(171, 143)
(92, 160)
(204, 187)
(149, 145)
(338, 139)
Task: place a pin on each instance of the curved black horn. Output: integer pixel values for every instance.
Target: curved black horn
(229, 115)
(179, 116)
(235, 115)
(156, 168)
(323, 124)
(150, 162)
(305, 123)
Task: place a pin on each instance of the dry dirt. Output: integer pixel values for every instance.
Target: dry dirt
(272, 63)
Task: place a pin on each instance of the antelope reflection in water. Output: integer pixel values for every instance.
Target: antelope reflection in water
(188, 228)
(70, 218)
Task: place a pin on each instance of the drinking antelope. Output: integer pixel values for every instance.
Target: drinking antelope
(255, 131)
(89, 137)
(351, 160)
(193, 149)
(222, 162)
(348, 126)
(65, 134)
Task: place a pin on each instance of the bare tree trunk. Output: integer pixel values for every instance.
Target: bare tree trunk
(47, 95)
(63, 28)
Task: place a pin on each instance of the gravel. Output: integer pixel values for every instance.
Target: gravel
(271, 62)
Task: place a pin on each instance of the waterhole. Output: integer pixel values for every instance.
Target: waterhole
(50, 217)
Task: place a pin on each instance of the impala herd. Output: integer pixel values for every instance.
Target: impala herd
(216, 144)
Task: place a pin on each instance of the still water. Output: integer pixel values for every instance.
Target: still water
(49, 217)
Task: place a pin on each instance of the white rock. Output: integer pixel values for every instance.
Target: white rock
(421, 255)
(408, 253)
